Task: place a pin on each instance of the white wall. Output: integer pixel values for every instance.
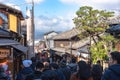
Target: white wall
(48, 39)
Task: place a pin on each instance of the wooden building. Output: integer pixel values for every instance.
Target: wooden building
(48, 38)
(66, 38)
(12, 49)
(114, 30)
(69, 43)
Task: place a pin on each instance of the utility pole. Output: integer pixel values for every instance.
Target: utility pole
(33, 26)
(71, 48)
(30, 32)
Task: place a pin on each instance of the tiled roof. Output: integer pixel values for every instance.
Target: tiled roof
(11, 10)
(14, 44)
(80, 43)
(4, 33)
(68, 34)
(49, 32)
(114, 20)
(62, 51)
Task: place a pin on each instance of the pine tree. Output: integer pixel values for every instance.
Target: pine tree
(93, 23)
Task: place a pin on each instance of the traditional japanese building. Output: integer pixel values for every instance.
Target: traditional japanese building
(12, 49)
(69, 43)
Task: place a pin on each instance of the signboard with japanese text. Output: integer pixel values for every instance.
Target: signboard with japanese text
(4, 53)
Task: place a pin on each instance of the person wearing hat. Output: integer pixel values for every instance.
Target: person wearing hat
(26, 71)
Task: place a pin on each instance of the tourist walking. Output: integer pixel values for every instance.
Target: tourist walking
(3, 75)
(83, 72)
(96, 72)
(113, 72)
(26, 71)
(37, 72)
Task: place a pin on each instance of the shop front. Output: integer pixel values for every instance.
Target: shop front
(12, 53)
(12, 40)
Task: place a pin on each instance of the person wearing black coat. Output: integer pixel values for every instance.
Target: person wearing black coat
(113, 72)
(47, 73)
(37, 73)
(96, 72)
(65, 70)
(3, 75)
(26, 71)
(59, 73)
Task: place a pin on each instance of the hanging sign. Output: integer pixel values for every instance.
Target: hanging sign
(4, 53)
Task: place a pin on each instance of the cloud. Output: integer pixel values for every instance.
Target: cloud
(99, 4)
(35, 1)
(14, 6)
(11, 4)
(89, 1)
(45, 24)
(3, 0)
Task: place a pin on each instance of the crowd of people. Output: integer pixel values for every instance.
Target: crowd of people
(5, 74)
(43, 70)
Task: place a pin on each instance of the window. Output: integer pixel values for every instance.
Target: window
(3, 21)
(61, 45)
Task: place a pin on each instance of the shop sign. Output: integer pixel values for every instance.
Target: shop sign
(4, 53)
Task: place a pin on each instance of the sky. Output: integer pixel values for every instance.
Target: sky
(57, 15)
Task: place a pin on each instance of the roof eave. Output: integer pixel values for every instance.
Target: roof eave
(11, 10)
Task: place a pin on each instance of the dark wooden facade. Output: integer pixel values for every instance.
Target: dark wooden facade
(11, 53)
(63, 42)
(11, 41)
(66, 42)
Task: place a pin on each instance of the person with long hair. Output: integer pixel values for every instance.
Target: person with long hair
(96, 72)
(83, 72)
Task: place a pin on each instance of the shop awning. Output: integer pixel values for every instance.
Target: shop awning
(59, 51)
(14, 44)
(84, 50)
(20, 47)
(62, 51)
